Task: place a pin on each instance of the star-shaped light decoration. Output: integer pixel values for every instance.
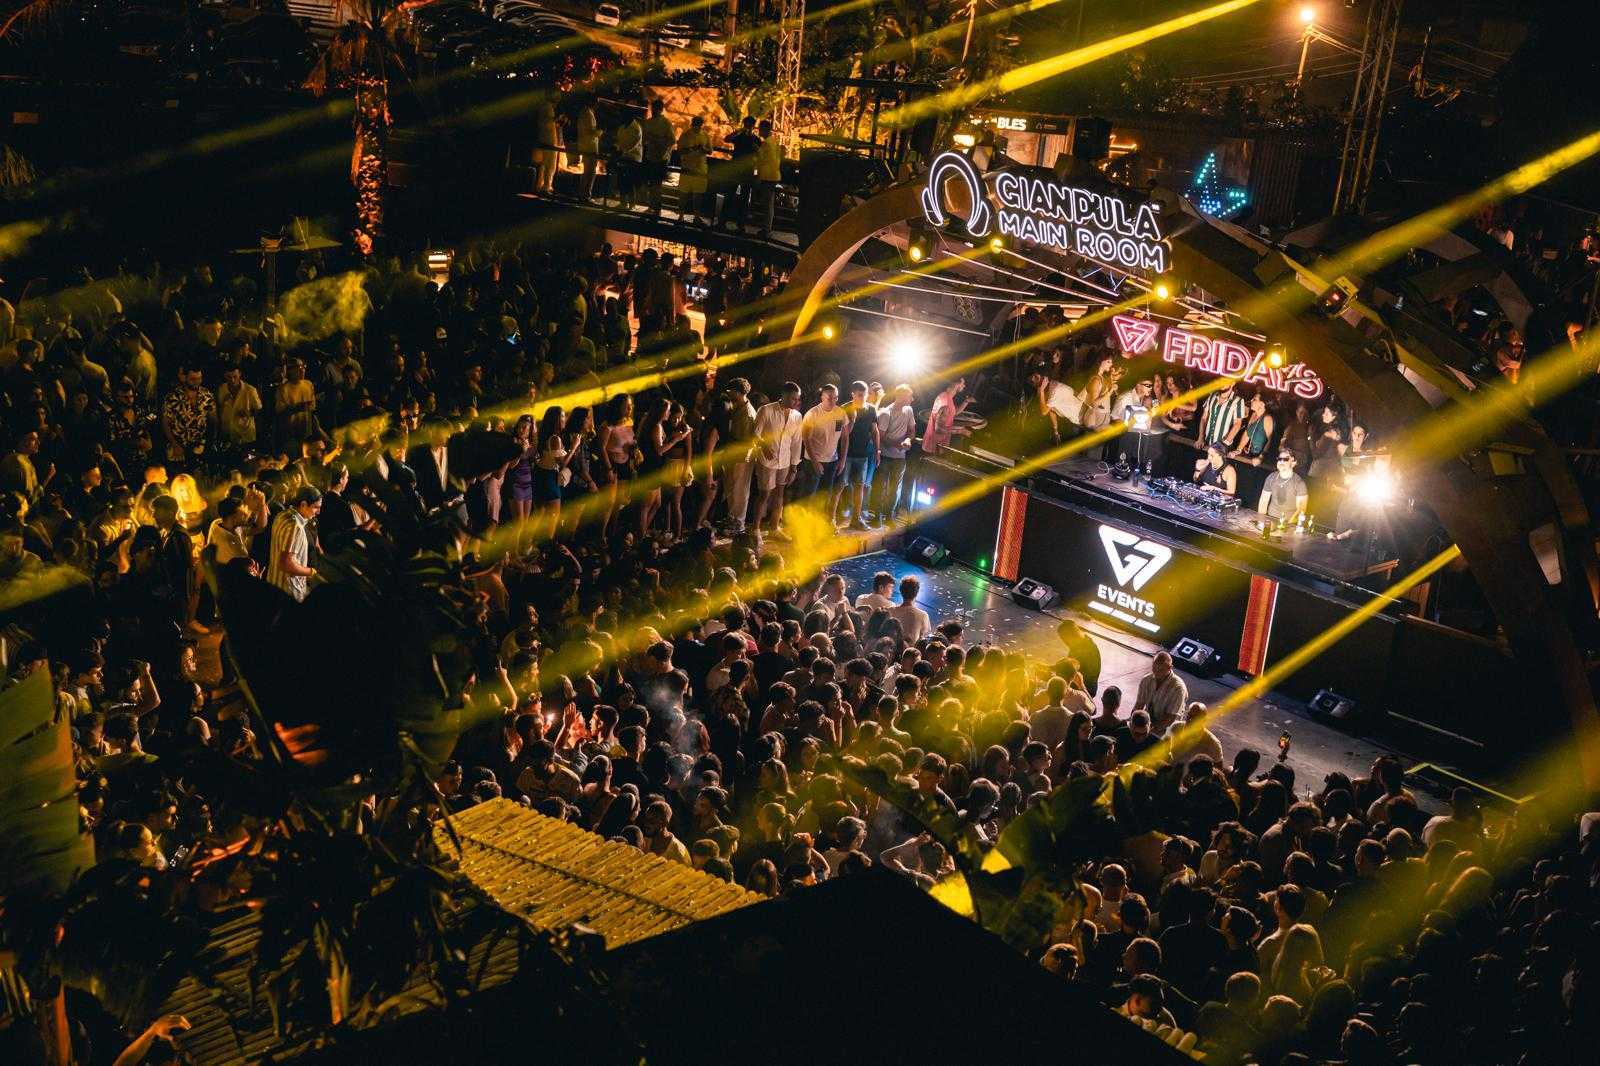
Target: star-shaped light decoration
(1213, 197)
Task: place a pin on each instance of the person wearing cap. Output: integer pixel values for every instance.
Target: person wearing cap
(138, 354)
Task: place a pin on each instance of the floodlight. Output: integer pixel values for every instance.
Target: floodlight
(907, 355)
(1375, 487)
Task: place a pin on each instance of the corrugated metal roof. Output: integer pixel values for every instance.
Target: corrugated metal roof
(552, 873)
(546, 872)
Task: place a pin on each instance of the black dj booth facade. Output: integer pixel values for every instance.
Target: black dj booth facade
(1162, 578)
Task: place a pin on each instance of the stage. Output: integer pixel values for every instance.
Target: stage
(1164, 571)
(990, 617)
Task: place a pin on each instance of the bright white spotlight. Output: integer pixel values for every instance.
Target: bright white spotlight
(1374, 488)
(1308, 14)
(907, 356)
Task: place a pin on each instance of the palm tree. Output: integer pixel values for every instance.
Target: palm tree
(370, 50)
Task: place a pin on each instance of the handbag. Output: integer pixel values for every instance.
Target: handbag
(564, 476)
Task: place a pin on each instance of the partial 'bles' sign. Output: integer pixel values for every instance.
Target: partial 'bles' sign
(1102, 226)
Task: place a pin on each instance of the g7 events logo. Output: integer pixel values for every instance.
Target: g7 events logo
(1102, 226)
(1135, 560)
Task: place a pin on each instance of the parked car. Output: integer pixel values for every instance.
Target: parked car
(541, 21)
(502, 8)
(608, 15)
(676, 34)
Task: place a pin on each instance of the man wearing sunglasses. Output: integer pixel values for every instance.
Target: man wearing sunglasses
(1284, 493)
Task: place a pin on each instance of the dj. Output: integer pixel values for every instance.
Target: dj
(1284, 493)
(1216, 472)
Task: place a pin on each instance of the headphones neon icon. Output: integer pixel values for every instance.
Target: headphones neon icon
(947, 165)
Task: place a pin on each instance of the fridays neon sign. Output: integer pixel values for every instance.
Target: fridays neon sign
(1215, 355)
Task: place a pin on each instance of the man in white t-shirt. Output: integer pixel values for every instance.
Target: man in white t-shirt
(821, 433)
(880, 598)
(914, 621)
(777, 436)
(236, 524)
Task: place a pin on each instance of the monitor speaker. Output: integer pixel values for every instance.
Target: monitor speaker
(1034, 595)
(1330, 706)
(927, 552)
(1196, 657)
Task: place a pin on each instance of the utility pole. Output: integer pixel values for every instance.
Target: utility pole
(1305, 51)
(729, 25)
(791, 31)
(1366, 107)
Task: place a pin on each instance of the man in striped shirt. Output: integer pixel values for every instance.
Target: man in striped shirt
(1221, 416)
(288, 565)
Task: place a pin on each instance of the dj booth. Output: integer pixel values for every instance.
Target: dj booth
(1154, 558)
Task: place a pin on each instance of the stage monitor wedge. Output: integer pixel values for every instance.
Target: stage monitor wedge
(1332, 707)
(926, 552)
(1034, 595)
(1197, 658)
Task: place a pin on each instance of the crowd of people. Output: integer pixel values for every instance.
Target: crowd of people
(723, 181)
(670, 681)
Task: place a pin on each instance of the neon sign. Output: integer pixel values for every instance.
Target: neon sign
(1213, 197)
(1216, 355)
(1134, 561)
(1096, 225)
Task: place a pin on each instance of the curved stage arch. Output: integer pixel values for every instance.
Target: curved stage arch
(1489, 518)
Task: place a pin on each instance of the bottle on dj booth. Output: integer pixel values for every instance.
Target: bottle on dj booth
(1149, 468)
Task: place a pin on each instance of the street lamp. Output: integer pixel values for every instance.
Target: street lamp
(1308, 18)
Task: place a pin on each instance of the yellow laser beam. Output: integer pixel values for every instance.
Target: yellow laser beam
(964, 96)
(1385, 246)
(1290, 664)
(1289, 297)
(1462, 427)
